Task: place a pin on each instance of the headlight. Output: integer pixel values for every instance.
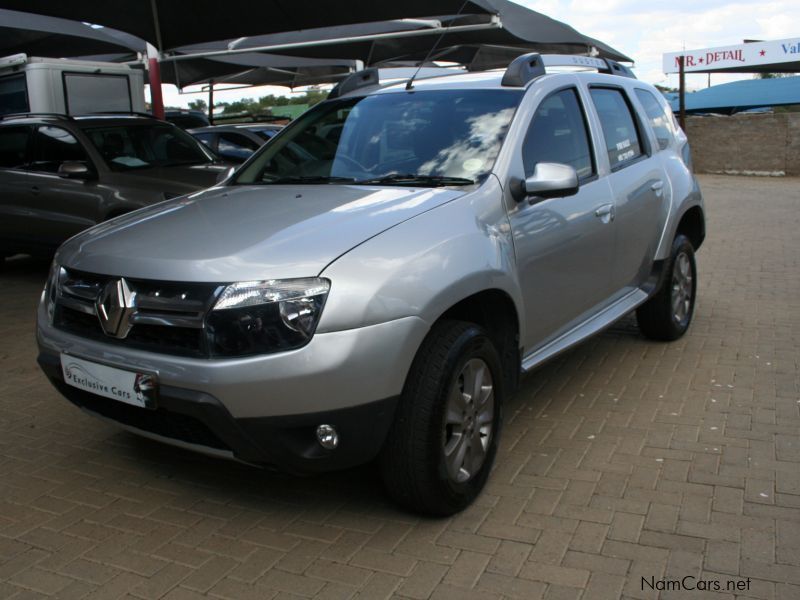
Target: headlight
(51, 290)
(260, 317)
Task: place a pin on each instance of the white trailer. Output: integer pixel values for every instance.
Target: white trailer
(69, 87)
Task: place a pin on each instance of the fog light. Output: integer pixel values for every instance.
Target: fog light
(327, 437)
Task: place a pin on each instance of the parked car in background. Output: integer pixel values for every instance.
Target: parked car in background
(60, 175)
(187, 119)
(373, 282)
(236, 143)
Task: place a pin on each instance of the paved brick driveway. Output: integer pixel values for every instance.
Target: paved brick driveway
(624, 459)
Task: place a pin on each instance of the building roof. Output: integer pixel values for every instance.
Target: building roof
(742, 95)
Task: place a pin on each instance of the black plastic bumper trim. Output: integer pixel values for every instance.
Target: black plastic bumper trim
(288, 442)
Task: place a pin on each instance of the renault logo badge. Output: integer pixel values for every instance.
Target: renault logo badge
(114, 307)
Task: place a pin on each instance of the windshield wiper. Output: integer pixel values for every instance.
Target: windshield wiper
(309, 179)
(412, 179)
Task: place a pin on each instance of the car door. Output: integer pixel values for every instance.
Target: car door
(564, 246)
(60, 207)
(638, 184)
(15, 183)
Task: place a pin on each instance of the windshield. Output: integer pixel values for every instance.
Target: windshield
(128, 147)
(443, 137)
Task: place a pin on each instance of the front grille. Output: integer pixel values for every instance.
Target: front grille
(168, 318)
(160, 421)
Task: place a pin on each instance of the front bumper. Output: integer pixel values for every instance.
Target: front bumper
(263, 409)
(199, 421)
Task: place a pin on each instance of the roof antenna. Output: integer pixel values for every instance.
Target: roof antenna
(410, 82)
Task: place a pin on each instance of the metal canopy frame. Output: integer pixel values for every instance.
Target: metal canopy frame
(493, 23)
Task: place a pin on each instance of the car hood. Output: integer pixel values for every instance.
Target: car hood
(241, 233)
(175, 181)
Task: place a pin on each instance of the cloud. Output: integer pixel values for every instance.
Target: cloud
(646, 30)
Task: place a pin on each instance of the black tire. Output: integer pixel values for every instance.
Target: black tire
(657, 318)
(413, 464)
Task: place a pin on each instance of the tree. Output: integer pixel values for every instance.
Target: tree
(773, 75)
(199, 104)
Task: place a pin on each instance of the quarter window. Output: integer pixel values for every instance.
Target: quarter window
(55, 146)
(14, 147)
(558, 134)
(660, 121)
(623, 143)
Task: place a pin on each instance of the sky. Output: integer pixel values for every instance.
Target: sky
(642, 29)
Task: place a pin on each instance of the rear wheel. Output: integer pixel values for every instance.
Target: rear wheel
(667, 315)
(442, 444)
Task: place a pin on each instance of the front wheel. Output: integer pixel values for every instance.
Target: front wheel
(442, 444)
(667, 315)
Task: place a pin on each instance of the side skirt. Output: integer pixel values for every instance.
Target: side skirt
(605, 318)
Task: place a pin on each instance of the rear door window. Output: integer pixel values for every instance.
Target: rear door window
(14, 147)
(54, 146)
(558, 134)
(623, 142)
(660, 120)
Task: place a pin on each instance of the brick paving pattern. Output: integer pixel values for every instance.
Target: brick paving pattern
(620, 460)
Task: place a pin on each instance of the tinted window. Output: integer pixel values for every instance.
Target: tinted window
(206, 138)
(13, 146)
(266, 134)
(619, 128)
(399, 136)
(55, 146)
(13, 94)
(126, 147)
(236, 146)
(558, 134)
(660, 121)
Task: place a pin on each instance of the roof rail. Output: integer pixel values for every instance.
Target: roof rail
(527, 67)
(523, 69)
(34, 114)
(617, 69)
(355, 81)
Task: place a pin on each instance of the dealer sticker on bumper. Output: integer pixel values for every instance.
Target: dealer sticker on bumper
(138, 389)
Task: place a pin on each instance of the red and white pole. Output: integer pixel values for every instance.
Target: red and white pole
(154, 70)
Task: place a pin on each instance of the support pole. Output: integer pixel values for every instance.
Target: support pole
(211, 102)
(682, 93)
(154, 71)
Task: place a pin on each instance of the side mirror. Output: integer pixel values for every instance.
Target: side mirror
(226, 174)
(552, 180)
(72, 169)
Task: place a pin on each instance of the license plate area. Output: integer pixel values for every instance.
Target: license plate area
(130, 387)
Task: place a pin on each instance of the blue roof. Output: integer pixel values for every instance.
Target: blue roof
(741, 95)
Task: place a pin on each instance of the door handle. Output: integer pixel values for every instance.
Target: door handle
(605, 212)
(657, 186)
(35, 190)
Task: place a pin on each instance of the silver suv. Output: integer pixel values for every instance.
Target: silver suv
(371, 283)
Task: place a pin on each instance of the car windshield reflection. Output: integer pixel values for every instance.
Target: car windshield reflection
(427, 138)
